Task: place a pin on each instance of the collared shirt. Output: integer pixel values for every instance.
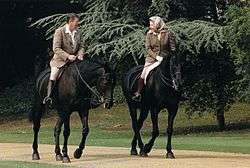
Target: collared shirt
(72, 34)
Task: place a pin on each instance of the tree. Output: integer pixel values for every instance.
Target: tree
(238, 36)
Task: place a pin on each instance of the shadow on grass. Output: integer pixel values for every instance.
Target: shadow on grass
(211, 128)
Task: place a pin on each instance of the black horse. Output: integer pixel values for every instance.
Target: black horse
(72, 92)
(159, 93)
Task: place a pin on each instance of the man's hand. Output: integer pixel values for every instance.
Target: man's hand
(72, 58)
(80, 57)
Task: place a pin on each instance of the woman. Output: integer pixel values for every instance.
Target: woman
(159, 43)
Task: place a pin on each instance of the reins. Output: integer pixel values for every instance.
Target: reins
(96, 93)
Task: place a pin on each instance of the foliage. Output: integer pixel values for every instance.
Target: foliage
(193, 9)
(159, 8)
(238, 36)
(120, 38)
(118, 95)
(16, 100)
(193, 36)
(209, 82)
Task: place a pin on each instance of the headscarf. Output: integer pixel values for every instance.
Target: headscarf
(160, 24)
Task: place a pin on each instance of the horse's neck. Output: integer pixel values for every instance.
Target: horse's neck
(91, 73)
(164, 69)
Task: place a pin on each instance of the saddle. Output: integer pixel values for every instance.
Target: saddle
(44, 77)
(137, 74)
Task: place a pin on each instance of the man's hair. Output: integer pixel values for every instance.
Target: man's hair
(71, 16)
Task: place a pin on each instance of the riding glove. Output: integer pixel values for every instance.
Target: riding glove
(159, 58)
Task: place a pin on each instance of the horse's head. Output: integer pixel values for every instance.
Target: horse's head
(97, 72)
(106, 84)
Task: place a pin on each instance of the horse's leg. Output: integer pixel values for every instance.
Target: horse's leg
(172, 111)
(142, 118)
(137, 125)
(133, 115)
(35, 117)
(66, 133)
(85, 131)
(155, 132)
(57, 132)
(36, 127)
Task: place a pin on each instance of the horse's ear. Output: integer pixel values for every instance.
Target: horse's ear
(113, 65)
(106, 65)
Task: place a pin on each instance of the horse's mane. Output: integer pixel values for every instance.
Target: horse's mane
(92, 63)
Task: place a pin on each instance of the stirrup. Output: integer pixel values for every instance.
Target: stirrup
(137, 97)
(47, 100)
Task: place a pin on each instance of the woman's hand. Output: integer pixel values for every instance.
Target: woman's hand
(80, 57)
(159, 58)
(72, 58)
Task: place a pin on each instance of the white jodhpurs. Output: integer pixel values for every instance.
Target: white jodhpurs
(148, 67)
(54, 73)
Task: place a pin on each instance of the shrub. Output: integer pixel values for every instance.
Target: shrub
(17, 100)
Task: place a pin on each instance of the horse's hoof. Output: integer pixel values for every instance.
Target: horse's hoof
(143, 153)
(147, 148)
(133, 152)
(170, 155)
(35, 156)
(65, 159)
(59, 157)
(78, 153)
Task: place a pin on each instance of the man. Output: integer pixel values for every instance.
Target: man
(67, 47)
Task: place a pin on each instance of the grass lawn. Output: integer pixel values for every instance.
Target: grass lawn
(17, 164)
(112, 128)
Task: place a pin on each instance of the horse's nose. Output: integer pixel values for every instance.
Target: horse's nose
(106, 105)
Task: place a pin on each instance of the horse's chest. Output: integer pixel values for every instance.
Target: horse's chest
(153, 93)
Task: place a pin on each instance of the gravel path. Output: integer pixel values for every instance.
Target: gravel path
(113, 157)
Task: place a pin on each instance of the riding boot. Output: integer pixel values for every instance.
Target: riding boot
(48, 99)
(137, 94)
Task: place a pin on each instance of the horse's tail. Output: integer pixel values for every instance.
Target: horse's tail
(34, 112)
(38, 109)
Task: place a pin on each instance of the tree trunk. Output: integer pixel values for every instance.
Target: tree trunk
(221, 119)
(214, 10)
